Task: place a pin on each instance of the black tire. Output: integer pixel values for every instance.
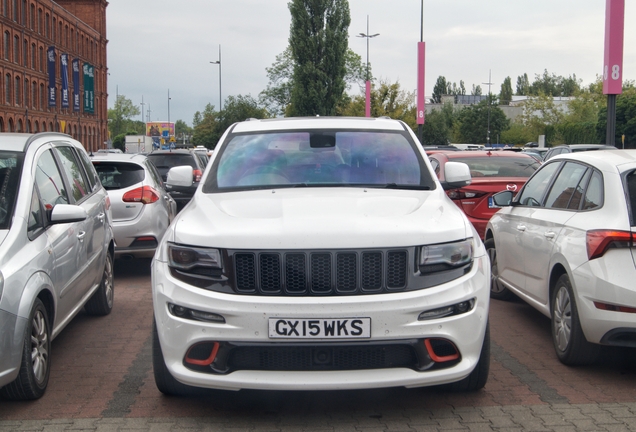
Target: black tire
(497, 290)
(164, 380)
(570, 344)
(479, 376)
(35, 365)
(101, 303)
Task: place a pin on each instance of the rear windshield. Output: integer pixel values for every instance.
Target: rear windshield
(500, 166)
(10, 167)
(318, 158)
(167, 161)
(119, 175)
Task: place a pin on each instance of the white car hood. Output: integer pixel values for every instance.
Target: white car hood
(319, 218)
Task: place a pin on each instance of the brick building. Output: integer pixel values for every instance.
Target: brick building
(76, 31)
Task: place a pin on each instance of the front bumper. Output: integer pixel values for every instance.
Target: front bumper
(394, 319)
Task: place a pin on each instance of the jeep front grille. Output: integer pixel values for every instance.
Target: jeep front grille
(320, 272)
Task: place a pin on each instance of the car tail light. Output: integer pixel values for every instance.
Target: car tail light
(599, 241)
(463, 194)
(197, 173)
(614, 308)
(144, 195)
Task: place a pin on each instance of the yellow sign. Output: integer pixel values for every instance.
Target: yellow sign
(63, 126)
(172, 139)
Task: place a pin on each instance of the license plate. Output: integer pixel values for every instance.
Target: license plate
(319, 328)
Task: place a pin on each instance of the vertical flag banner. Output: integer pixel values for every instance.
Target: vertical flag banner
(89, 89)
(50, 59)
(613, 61)
(76, 85)
(64, 73)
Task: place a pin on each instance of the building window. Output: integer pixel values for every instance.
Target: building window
(5, 7)
(41, 97)
(34, 94)
(32, 17)
(25, 52)
(7, 89)
(18, 93)
(7, 45)
(42, 62)
(26, 93)
(54, 25)
(47, 26)
(16, 49)
(33, 57)
(24, 11)
(15, 10)
(40, 21)
(68, 42)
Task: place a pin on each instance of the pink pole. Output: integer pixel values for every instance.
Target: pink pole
(421, 100)
(367, 110)
(613, 61)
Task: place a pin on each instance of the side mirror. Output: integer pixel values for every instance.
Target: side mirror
(180, 176)
(503, 198)
(65, 213)
(456, 175)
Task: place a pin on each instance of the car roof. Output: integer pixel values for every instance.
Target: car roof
(482, 153)
(175, 151)
(607, 159)
(305, 123)
(11, 141)
(118, 157)
(584, 146)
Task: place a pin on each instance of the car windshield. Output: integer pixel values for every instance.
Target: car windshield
(171, 160)
(318, 158)
(10, 167)
(118, 175)
(500, 166)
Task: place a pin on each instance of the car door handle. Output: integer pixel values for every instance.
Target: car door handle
(521, 227)
(81, 236)
(549, 234)
(101, 217)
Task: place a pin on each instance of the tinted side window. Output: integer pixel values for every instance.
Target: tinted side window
(534, 190)
(71, 166)
(49, 181)
(90, 171)
(36, 220)
(567, 189)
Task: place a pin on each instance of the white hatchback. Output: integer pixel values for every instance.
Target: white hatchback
(565, 245)
(320, 253)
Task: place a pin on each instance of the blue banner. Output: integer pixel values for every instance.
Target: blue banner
(64, 73)
(50, 56)
(76, 85)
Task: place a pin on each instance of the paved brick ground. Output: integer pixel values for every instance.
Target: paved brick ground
(101, 379)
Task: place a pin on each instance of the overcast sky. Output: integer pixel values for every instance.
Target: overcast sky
(161, 47)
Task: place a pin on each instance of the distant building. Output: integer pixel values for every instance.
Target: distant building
(38, 36)
(512, 111)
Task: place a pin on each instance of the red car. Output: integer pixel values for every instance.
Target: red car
(492, 172)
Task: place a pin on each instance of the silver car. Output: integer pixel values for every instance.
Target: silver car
(56, 252)
(141, 207)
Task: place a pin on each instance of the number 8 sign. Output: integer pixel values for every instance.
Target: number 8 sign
(613, 61)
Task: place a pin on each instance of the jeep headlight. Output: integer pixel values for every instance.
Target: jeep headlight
(445, 256)
(188, 257)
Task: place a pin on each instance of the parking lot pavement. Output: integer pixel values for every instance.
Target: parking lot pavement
(101, 379)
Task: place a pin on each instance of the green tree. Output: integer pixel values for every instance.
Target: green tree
(119, 117)
(387, 99)
(182, 132)
(625, 118)
(541, 116)
(476, 90)
(439, 125)
(277, 96)
(553, 85)
(439, 89)
(505, 95)
(523, 85)
(318, 40)
(516, 135)
(473, 123)
(213, 124)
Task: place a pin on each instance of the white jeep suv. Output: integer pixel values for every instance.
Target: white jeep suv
(320, 253)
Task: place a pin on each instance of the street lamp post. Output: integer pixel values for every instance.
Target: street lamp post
(168, 107)
(219, 63)
(368, 82)
(489, 103)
